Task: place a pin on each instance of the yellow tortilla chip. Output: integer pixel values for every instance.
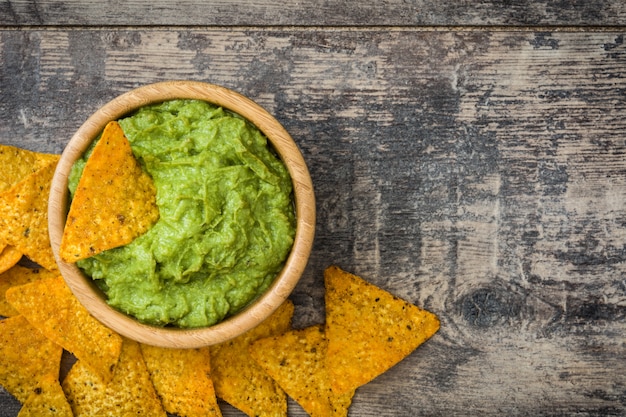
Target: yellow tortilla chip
(17, 164)
(129, 393)
(25, 357)
(9, 256)
(296, 360)
(182, 379)
(24, 216)
(239, 380)
(19, 275)
(50, 306)
(48, 400)
(114, 203)
(368, 329)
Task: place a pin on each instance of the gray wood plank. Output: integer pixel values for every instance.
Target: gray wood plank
(314, 13)
(478, 174)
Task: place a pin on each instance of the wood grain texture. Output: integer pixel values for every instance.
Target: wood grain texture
(314, 13)
(478, 174)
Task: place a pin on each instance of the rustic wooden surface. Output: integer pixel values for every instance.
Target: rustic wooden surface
(479, 172)
(315, 12)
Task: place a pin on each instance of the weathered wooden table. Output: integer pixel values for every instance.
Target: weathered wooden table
(468, 156)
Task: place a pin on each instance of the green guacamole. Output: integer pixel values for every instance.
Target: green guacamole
(226, 222)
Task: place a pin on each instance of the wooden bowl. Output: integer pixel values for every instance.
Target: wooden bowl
(90, 295)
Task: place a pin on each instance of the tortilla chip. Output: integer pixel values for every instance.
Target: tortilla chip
(24, 217)
(130, 392)
(19, 275)
(50, 306)
(48, 400)
(114, 203)
(17, 164)
(182, 379)
(296, 360)
(239, 380)
(368, 329)
(9, 256)
(26, 356)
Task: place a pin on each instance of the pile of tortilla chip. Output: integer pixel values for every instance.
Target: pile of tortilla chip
(24, 190)
(41, 318)
(366, 332)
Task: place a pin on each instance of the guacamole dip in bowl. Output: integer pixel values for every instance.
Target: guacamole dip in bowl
(236, 217)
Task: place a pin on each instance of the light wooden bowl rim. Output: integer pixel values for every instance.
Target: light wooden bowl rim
(93, 299)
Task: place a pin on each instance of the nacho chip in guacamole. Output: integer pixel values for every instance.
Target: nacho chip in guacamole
(114, 203)
(368, 329)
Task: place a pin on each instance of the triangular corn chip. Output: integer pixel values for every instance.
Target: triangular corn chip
(26, 356)
(239, 380)
(182, 379)
(114, 203)
(24, 216)
(50, 306)
(9, 256)
(368, 329)
(17, 164)
(19, 275)
(48, 400)
(296, 360)
(129, 393)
